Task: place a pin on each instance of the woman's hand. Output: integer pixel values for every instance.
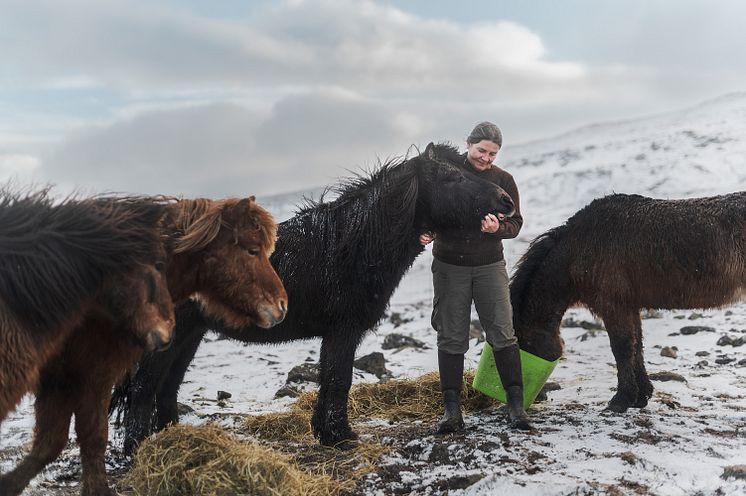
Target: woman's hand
(490, 224)
(426, 238)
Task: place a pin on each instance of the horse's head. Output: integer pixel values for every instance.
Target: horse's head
(235, 280)
(139, 301)
(450, 197)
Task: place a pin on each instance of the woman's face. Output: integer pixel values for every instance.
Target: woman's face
(482, 154)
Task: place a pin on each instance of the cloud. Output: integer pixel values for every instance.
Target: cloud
(221, 150)
(374, 48)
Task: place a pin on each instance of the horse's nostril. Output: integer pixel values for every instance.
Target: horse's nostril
(283, 306)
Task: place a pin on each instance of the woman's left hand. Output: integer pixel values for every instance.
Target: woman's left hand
(490, 224)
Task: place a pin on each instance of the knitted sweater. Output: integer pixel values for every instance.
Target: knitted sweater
(473, 247)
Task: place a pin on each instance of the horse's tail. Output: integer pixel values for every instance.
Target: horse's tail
(119, 403)
(529, 263)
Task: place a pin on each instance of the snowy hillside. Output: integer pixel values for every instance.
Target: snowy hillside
(678, 445)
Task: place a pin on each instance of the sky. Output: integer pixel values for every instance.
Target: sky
(233, 98)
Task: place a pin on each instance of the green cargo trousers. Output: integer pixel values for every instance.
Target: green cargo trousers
(455, 287)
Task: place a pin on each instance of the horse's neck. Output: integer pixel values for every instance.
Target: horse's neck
(182, 275)
(539, 312)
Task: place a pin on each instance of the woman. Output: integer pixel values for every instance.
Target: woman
(469, 266)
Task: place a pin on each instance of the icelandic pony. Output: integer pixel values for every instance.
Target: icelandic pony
(340, 261)
(624, 253)
(59, 261)
(218, 253)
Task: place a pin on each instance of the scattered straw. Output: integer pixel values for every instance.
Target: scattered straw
(207, 461)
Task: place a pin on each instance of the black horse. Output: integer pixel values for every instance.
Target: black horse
(623, 253)
(340, 262)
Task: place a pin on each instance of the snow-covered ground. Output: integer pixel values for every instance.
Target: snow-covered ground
(678, 445)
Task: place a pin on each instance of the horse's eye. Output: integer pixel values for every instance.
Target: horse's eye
(254, 252)
(160, 266)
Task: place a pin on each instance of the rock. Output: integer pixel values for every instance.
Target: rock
(221, 404)
(224, 395)
(734, 472)
(728, 313)
(398, 320)
(183, 409)
(702, 353)
(307, 372)
(724, 360)
(731, 341)
(629, 457)
(741, 362)
(688, 330)
(665, 376)
(394, 341)
(669, 352)
(584, 324)
(651, 313)
(476, 331)
(463, 481)
(695, 316)
(287, 391)
(373, 363)
(548, 387)
(702, 364)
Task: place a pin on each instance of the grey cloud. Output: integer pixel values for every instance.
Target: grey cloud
(221, 150)
(375, 48)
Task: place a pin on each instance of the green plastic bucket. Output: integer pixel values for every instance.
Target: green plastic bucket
(535, 371)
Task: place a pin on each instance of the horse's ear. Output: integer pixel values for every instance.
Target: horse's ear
(430, 151)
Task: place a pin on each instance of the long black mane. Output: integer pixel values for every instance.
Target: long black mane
(528, 266)
(55, 254)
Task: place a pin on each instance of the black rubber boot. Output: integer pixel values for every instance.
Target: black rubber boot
(508, 362)
(451, 377)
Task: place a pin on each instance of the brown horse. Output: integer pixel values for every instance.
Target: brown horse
(59, 262)
(219, 254)
(624, 253)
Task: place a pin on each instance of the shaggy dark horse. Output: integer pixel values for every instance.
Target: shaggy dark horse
(59, 261)
(340, 262)
(624, 253)
(218, 253)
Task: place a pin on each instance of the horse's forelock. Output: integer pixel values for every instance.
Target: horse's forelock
(199, 221)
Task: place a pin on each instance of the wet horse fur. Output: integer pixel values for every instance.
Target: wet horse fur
(624, 253)
(215, 249)
(340, 262)
(56, 263)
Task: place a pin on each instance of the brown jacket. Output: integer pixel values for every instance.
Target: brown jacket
(473, 247)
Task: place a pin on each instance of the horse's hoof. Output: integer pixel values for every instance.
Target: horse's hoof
(616, 408)
(640, 403)
(338, 439)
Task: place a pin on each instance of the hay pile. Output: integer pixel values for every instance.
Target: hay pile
(208, 461)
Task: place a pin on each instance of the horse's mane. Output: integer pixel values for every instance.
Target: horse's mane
(53, 255)
(373, 208)
(527, 266)
(195, 223)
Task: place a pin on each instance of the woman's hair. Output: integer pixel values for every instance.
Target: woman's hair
(485, 131)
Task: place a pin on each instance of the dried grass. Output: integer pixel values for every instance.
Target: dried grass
(208, 461)
(402, 399)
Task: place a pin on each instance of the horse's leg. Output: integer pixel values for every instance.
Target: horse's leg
(92, 428)
(156, 383)
(330, 423)
(622, 335)
(644, 387)
(53, 409)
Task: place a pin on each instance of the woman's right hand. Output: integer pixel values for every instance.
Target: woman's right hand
(426, 238)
